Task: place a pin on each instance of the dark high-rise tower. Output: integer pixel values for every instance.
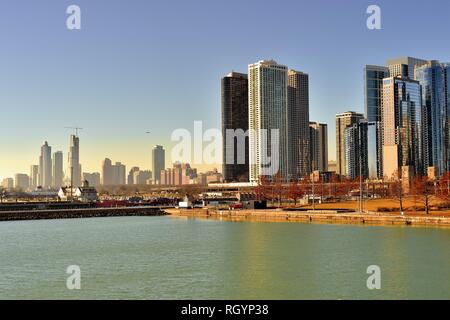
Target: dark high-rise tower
(298, 124)
(235, 119)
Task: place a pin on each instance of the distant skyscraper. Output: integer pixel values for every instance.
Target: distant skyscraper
(130, 178)
(235, 117)
(267, 111)
(107, 173)
(119, 173)
(34, 176)
(45, 166)
(434, 78)
(21, 181)
(318, 133)
(343, 120)
(404, 66)
(298, 125)
(373, 88)
(159, 162)
(73, 168)
(8, 183)
(58, 173)
(402, 127)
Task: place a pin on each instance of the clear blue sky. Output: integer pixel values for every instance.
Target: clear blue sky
(156, 65)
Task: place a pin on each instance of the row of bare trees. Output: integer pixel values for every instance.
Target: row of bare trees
(421, 189)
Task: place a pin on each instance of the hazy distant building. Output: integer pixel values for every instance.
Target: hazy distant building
(343, 120)
(119, 174)
(8, 183)
(142, 177)
(402, 127)
(318, 151)
(130, 178)
(21, 181)
(404, 66)
(34, 176)
(74, 168)
(159, 162)
(45, 166)
(235, 119)
(93, 179)
(434, 77)
(107, 173)
(58, 173)
(267, 111)
(298, 135)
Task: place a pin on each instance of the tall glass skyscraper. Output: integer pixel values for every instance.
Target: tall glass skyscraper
(434, 80)
(403, 124)
(356, 150)
(373, 87)
(235, 119)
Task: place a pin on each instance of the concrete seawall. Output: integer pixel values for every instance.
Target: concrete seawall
(317, 216)
(81, 213)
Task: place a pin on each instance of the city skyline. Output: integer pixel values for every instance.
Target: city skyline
(131, 85)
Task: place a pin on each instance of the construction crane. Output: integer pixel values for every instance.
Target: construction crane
(74, 128)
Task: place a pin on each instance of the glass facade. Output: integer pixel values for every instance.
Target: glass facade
(409, 124)
(433, 78)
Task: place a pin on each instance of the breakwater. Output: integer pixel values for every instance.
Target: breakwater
(81, 213)
(324, 216)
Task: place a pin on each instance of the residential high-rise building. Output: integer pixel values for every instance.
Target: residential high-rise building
(434, 77)
(45, 166)
(343, 120)
(34, 176)
(356, 150)
(318, 133)
(159, 162)
(107, 173)
(58, 172)
(119, 174)
(374, 160)
(142, 177)
(267, 99)
(298, 143)
(235, 127)
(404, 66)
(73, 168)
(21, 181)
(373, 87)
(402, 118)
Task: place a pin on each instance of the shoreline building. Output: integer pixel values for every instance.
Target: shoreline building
(298, 135)
(267, 100)
(318, 133)
(434, 78)
(159, 162)
(344, 120)
(235, 162)
(403, 128)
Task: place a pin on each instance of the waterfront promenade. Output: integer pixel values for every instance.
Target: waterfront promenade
(319, 216)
